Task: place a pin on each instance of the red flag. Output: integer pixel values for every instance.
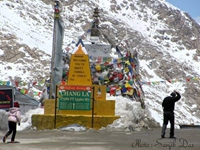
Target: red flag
(16, 83)
(34, 83)
(188, 79)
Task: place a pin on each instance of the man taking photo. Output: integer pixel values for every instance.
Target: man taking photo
(168, 112)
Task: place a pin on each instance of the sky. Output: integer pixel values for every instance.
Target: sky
(189, 6)
(39, 35)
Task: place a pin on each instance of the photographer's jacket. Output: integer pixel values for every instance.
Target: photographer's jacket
(169, 102)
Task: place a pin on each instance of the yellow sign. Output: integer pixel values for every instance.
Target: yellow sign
(100, 92)
(79, 71)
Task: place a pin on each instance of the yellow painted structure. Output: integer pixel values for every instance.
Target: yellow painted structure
(99, 92)
(47, 121)
(79, 70)
(104, 110)
(104, 114)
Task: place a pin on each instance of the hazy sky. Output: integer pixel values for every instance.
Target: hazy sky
(192, 7)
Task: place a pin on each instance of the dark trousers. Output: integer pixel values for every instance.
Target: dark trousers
(12, 129)
(168, 117)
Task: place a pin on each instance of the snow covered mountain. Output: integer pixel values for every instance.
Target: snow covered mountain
(166, 38)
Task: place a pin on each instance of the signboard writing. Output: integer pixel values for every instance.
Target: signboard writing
(72, 97)
(79, 71)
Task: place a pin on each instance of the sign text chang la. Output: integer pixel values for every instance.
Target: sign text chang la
(71, 97)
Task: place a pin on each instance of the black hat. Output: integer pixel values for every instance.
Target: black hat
(173, 94)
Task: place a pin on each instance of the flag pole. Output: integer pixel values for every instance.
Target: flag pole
(54, 45)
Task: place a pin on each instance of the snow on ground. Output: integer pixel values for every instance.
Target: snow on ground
(128, 110)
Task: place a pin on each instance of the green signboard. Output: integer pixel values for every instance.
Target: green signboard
(74, 97)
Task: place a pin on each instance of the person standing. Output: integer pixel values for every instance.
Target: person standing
(168, 112)
(14, 117)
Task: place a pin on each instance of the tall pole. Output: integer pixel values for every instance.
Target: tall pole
(54, 45)
(93, 88)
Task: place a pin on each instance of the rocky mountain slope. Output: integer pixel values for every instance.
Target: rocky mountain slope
(167, 41)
